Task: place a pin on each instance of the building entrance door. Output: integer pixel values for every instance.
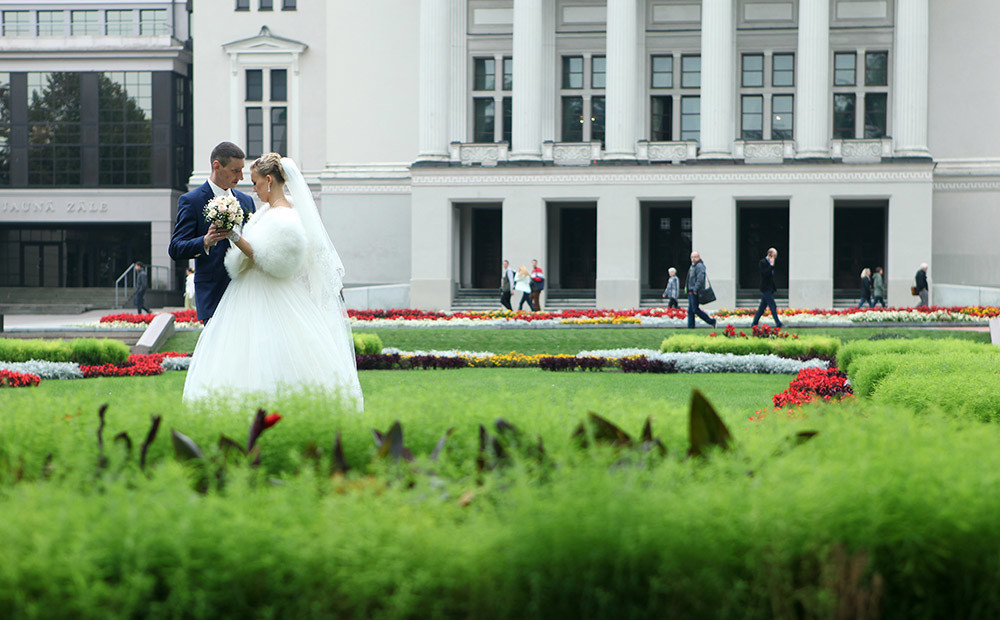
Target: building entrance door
(41, 263)
(486, 235)
(668, 233)
(578, 246)
(859, 241)
(761, 225)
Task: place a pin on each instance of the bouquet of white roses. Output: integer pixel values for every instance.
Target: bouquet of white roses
(224, 211)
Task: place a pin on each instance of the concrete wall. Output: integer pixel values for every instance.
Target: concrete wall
(965, 228)
(372, 235)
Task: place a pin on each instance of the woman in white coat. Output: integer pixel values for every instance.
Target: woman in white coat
(522, 283)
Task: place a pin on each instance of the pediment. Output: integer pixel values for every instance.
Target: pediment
(265, 43)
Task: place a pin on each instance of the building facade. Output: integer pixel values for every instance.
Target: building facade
(607, 139)
(95, 139)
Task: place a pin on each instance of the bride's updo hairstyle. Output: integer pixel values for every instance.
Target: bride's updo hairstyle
(269, 164)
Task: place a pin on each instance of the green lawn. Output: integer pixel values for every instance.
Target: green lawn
(565, 340)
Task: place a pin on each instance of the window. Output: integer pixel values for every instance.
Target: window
(17, 23)
(584, 79)
(153, 22)
(598, 72)
(242, 5)
(51, 23)
(572, 72)
(84, 23)
(266, 5)
(752, 122)
(119, 22)
(54, 137)
(767, 96)
(690, 118)
(783, 70)
(288, 5)
(279, 85)
(665, 97)
(663, 72)
(125, 128)
(255, 132)
(843, 116)
(782, 110)
(690, 71)
(753, 70)
(4, 129)
(491, 95)
(266, 91)
(843, 68)
(279, 129)
(255, 85)
(877, 69)
(860, 95)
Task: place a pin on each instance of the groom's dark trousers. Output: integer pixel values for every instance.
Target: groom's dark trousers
(210, 277)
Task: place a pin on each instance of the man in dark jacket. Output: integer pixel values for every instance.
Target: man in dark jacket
(767, 288)
(696, 277)
(921, 287)
(141, 286)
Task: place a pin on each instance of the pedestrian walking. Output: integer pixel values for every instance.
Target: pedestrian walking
(767, 288)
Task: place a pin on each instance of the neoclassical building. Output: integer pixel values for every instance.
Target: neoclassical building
(95, 141)
(607, 139)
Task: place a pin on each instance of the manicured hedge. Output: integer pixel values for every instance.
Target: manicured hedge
(79, 350)
(851, 351)
(367, 344)
(785, 347)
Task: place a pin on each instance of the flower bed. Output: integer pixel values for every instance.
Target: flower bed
(182, 318)
(10, 378)
(809, 385)
(136, 366)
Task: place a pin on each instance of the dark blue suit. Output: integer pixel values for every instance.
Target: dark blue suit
(187, 242)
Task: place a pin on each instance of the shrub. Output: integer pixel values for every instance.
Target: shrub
(785, 347)
(45, 370)
(367, 344)
(644, 364)
(98, 351)
(867, 371)
(849, 352)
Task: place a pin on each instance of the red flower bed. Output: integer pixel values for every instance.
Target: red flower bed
(180, 316)
(136, 366)
(758, 331)
(10, 378)
(813, 383)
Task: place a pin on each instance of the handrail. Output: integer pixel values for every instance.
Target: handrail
(129, 273)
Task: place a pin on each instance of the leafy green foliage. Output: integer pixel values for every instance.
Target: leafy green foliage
(851, 351)
(92, 351)
(367, 344)
(785, 347)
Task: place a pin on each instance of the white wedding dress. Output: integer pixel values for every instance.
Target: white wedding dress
(277, 327)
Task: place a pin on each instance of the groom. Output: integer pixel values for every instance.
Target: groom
(194, 238)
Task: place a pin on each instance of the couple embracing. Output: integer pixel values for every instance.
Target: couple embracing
(267, 282)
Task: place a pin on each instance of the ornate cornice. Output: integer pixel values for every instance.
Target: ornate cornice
(967, 186)
(674, 178)
(366, 189)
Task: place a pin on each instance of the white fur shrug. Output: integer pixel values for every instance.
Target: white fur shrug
(278, 241)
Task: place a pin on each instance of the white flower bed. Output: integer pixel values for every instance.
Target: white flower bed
(714, 362)
(176, 363)
(45, 370)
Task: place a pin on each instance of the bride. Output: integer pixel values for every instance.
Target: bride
(281, 323)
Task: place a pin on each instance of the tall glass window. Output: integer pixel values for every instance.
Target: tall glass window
(583, 82)
(782, 119)
(125, 128)
(279, 85)
(691, 71)
(279, 130)
(288, 5)
(767, 88)
(861, 94)
(266, 91)
(54, 133)
(843, 116)
(492, 85)
(4, 129)
(752, 117)
(484, 119)
(255, 132)
(690, 118)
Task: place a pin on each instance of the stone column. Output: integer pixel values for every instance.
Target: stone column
(910, 94)
(434, 58)
(718, 93)
(812, 74)
(458, 117)
(809, 258)
(623, 74)
(527, 102)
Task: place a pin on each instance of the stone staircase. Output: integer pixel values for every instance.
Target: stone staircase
(469, 299)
